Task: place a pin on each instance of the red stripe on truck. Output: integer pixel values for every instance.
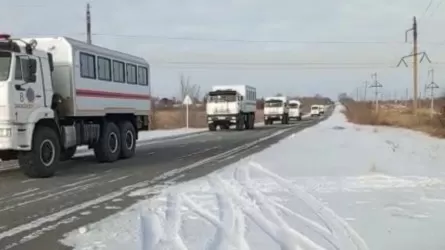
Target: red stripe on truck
(107, 94)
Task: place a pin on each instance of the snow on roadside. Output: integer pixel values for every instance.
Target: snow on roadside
(333, 186)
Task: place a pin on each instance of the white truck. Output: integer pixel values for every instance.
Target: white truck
(58, 93)
(276, 109)
(321, 108)
(295, 110)
(315, 110)
(231, 105)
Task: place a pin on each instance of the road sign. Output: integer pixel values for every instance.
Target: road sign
(187, 100)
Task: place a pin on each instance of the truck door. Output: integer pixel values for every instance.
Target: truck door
(27, 89)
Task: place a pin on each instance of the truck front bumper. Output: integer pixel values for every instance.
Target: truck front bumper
(277, 117)
(15, 137)
(222, 119)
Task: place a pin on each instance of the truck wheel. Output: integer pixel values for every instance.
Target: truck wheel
(224, 126)
(212, 127)
(240, 123)
(252, 121)
(247, 121)
(68, 153)
(42, 161)
(108, 148)
(128, 139)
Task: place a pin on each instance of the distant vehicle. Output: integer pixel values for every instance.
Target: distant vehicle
(231, 105)
(295, 110)
(315, 110)
(321, 108)
(59, 93)
(276, 109)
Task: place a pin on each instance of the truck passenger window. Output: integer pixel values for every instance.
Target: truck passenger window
(18, 69)
(22, 65)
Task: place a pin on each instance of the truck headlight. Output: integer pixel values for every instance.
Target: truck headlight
(5, 132)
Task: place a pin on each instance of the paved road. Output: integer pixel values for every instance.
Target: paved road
(36, 213)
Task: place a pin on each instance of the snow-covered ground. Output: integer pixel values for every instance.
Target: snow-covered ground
(333, 186)
(144, 137)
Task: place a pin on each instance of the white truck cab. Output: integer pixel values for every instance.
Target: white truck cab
(295, 110)
(315, 110)
(58, 93)
(231, 105)
(276, 109)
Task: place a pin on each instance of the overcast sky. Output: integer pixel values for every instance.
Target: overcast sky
(263, 43)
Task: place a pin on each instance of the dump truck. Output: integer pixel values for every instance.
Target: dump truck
(231, 105)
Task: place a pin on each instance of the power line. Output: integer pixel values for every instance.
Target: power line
(290, 64)
(253, 41)
(204, 39)
(437, 7)
(426, 9)
(277, 63)
(269, 67)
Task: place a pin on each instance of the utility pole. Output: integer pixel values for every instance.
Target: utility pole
(376, 85)
(415, 55)
(415, 68)
(357, 94)
(366, 87)
(432, 86)
(88, 24)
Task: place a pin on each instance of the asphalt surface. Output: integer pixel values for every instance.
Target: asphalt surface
(36, 213)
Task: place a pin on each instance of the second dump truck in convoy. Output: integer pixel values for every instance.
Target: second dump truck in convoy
(59, 93)
(231, 105)
(295, 110)
(276, 109)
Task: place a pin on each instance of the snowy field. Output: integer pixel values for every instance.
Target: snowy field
(333, 186)
(144, 138)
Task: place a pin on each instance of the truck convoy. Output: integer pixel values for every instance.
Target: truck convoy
(295, 110)
(59, 93)
(231, 105)
(276, 109)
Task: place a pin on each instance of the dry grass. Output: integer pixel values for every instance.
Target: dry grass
(396, 116)
(173, 118)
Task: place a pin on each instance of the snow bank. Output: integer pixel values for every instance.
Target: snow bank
(309, 191)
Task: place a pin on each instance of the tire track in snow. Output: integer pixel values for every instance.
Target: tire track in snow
(327, 214)
(242, 174)
(285, 236)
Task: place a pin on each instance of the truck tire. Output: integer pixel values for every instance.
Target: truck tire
(42, 160)
(108, 149)
(68, 153)
(212, 127)
(224, 126)
(252, 121)
(240, 123)
(128, 139)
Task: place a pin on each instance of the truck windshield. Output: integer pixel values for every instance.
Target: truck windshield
(273, 104)
(293, 105)
(5, 65)
(222, 98)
